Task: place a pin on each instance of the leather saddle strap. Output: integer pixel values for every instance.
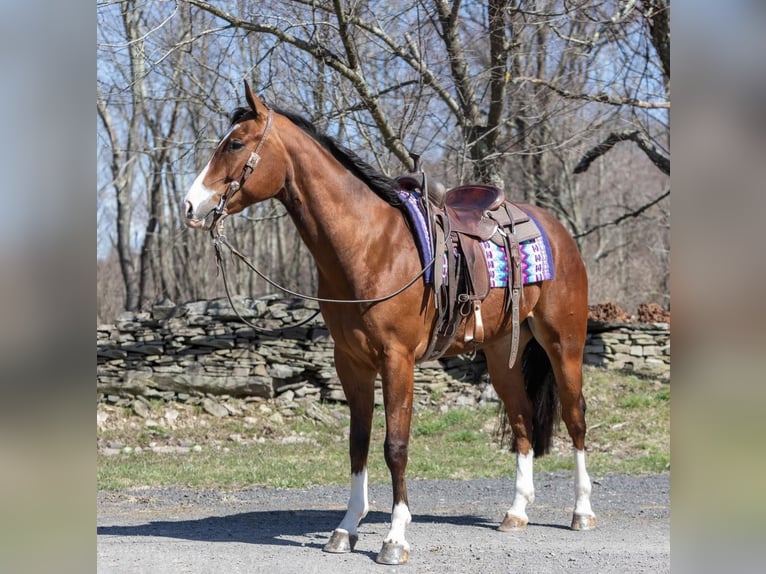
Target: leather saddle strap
(476, 287)
(507, 241)
(438, 245)
(440, 302)
(455, 266)
(478, 326)
(453, 278)
(515, 282)
(476, 267)
(516, 289)
(445, 293)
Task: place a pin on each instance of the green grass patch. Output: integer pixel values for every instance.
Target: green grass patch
(434, 423)
(628, 431)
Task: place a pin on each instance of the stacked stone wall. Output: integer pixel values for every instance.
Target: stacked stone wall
(641, 347)
(201, 349)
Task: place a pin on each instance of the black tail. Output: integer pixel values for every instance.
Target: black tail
(540, 385)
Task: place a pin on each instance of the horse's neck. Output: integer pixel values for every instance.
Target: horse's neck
(339, 218)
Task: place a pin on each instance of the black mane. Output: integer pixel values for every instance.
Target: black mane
(237, 114)
(383, 186)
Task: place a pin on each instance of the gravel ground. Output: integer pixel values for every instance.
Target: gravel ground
(453, 529)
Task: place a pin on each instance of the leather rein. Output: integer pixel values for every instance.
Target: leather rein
(219, 241)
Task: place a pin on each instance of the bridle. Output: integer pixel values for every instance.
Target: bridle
(247, 170)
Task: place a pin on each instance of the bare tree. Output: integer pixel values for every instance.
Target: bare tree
(648, 22)
(531, 95)
(123, 145)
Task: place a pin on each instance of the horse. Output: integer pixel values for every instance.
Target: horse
(350, 218)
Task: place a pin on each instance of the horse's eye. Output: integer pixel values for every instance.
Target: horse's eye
(235, 145)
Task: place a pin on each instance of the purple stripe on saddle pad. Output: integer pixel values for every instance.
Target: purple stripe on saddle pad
(536, 258)
(417, 221)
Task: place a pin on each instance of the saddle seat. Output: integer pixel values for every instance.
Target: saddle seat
(475, 197)
(468, 208)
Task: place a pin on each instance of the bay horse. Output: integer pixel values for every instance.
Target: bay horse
(350, 218)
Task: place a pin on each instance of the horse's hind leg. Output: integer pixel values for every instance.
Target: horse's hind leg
(509, 384)
(358, 385)
(564, 348)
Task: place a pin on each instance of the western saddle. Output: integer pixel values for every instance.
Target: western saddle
(459, 220)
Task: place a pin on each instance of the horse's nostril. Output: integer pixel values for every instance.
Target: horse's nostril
(189, 209)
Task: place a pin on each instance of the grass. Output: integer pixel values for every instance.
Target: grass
(628, 419)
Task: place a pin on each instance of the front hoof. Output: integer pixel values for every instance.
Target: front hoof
(341, 542)
(513, 523)
(393, 553)
(583, 522)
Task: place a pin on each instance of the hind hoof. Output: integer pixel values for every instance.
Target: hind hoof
(513, 523)
(340, 542)
(583, 522)
(393, 554)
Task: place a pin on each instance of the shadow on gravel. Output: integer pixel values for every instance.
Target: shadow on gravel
(273, 527)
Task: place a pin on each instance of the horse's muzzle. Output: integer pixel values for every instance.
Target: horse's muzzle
(191, 220)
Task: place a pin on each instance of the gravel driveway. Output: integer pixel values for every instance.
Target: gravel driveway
(453, 529)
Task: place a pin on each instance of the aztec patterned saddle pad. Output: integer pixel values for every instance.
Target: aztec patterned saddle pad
(536, 258)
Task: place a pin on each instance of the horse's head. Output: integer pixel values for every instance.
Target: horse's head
(245, 168)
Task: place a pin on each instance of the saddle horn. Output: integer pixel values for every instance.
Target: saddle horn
(434, 190)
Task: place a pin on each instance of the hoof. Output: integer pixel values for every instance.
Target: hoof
(513, 523)
(340, 542)
(393, 554)
(583, 522)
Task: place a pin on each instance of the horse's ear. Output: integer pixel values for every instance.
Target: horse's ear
(255, 104)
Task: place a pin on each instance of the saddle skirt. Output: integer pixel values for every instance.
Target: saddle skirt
(478, 241)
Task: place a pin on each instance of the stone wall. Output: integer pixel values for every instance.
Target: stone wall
(640, 347)
(201, 349)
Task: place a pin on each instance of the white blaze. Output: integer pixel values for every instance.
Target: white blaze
(200, 197)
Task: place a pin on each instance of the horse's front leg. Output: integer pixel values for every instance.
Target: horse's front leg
(359, 387)
(397, 379)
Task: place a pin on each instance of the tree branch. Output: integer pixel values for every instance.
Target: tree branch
(354, 75)
(410, 55)
(658, 158)
(599, 98)
(624, 216)
(319, 52)
(345, 36)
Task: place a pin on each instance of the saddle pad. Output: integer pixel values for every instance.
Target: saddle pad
(536, 257)
(535, 261)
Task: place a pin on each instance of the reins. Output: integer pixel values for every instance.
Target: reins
(219, 240)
